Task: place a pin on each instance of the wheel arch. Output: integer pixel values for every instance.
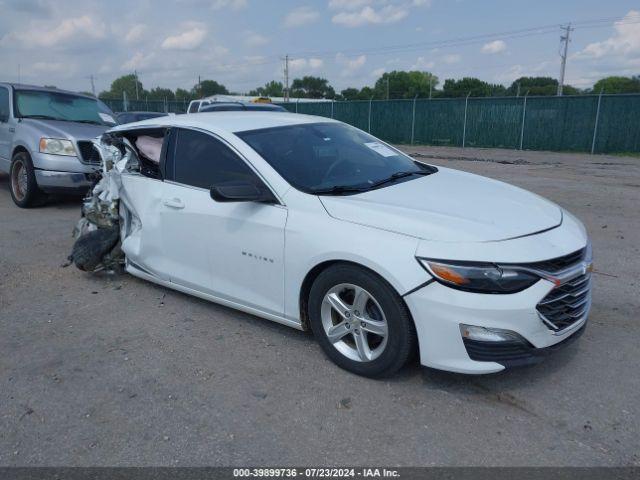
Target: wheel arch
(20, 149)
(312, 274)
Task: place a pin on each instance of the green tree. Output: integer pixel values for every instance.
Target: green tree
(207, 88)
(183, 95)
(270, 89)
(349, 94)
(160, 93)
(126, 83)
(366, 93)
(534, 86)
(618, 85)
(401, 84)
(312, 87)
(473, 86)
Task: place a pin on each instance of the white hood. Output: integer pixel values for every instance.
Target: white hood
(449, 206)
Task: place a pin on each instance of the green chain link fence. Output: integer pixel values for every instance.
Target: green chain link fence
(577, 123)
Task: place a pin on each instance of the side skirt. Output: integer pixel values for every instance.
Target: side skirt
(212, 298)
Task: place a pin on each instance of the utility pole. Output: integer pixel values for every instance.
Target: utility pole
(93, 85)
(286, 78)
(19, 73)
(135, 74)
(563, 55)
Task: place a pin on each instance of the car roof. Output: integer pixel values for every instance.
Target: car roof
(23, 86)
(232, 122)
(153, 114)
(220, 106)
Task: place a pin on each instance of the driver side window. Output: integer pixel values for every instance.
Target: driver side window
(202, 161)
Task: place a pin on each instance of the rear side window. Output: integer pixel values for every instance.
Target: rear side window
(4, 104)
(202, 161)
(193, 108)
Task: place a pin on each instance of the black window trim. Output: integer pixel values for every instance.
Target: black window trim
(9, 100)
(169, 177)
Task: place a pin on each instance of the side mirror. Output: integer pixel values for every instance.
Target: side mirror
(241, 192)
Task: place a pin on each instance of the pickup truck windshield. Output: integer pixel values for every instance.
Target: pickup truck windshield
(332, 158)
(62, 106)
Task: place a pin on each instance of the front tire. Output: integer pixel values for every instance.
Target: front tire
(24, 188)
(360, 321)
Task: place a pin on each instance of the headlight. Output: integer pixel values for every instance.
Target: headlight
(479, 277)
(57, 146)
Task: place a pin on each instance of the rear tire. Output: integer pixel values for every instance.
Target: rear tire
(24, 188)
(360, 321)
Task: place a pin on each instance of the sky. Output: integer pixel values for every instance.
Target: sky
(241, 43)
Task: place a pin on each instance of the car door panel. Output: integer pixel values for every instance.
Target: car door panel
(234, 250)
(141, 210)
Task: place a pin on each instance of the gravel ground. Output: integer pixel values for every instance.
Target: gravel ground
(110, 370)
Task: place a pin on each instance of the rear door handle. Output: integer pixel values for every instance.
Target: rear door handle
(174, 203)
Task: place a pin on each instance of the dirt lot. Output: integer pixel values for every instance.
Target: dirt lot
(110, 370)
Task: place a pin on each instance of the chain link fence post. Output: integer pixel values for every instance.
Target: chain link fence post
(413, 119)
(370, 100)
(524, 114)
(464, 125)
(331, 108)
(595, 126)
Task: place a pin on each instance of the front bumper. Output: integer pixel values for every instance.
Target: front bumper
(438, 311)
(64, 182)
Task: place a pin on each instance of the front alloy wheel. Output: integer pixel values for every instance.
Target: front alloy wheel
(354, 322)
(360, 321)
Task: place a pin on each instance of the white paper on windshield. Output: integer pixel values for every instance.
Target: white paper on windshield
(381, 149)
(106, 118)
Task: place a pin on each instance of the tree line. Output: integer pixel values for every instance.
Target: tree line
(390, 85)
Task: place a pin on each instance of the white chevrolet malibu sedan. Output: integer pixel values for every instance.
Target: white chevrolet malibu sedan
(317, 225)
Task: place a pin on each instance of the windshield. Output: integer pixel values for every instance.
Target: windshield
(332, 158)
(62, 106)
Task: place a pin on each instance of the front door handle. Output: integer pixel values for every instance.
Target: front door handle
(174, 203)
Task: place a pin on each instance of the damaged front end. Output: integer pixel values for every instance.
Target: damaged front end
(97, 233)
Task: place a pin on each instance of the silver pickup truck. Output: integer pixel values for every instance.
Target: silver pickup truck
(45, 140)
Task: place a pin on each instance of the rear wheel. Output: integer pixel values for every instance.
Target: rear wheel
(24, 189)
(359, 320)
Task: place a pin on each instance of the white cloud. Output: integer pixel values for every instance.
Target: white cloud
(625, 42)
(189, 39)
(496, 46)
(136, 33)
(451, 58)
(301, 16)
(232, 4)
(348, 4)
(50, 67)
(378, 72)
(316, 63)
(139, 60)
(368, 15)
(355, 13)
(254, 39)
(301, 64)
(350, 65)
(67, 31)
(423, 64)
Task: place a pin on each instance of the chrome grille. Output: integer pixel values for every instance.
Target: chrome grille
(88, 153)
(557, 264)
(567, 304)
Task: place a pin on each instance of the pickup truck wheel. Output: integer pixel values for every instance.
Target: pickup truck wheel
(24, 189)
